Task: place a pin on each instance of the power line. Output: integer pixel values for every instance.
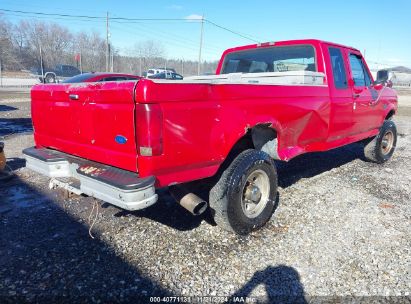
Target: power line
(48, 18)
(141, 26)
(231, 31)
(47, 14)
(51, 6)
(189, 45)
(168, 36)
(175, 36)
(131, 20)
(94, 17)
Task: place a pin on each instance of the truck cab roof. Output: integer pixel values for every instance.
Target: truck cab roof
(286, 42)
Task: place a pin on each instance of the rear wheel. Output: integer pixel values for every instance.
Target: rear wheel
(243, 199)
(380, 148)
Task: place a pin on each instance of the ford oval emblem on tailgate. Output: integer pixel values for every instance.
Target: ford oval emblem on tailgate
(120, 139)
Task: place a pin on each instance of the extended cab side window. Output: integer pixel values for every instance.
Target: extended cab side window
(359, 72)
(337, 63)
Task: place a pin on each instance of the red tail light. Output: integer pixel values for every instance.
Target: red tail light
(149, 120)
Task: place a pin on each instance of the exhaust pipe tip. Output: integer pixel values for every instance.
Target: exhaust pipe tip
(190, 201)
(200, 208)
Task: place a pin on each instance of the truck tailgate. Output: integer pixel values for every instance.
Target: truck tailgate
(90, 120)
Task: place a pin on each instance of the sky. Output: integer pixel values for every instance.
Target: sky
(381, 29)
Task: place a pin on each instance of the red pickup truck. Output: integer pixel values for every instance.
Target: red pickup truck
(119, 141)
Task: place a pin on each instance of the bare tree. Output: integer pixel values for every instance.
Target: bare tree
(92, 49)
(7, 53)
(20, 49)
(149, 49)
(149, 54)
(53, 39)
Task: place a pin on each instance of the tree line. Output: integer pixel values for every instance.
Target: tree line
(21, 45)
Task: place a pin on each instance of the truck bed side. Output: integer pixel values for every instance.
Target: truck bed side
(202, 122)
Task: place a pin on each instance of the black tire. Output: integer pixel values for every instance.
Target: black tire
(380, 148)
(227, 195)
(50, 78)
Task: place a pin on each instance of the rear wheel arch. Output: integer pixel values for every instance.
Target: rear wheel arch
(265, 138)
(261, 136)
(252, 136)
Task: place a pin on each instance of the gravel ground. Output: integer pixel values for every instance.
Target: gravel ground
(341, 230)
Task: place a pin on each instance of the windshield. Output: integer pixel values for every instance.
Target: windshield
(271, 59)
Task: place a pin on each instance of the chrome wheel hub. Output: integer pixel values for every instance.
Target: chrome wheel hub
(255, 193)
(387, 142)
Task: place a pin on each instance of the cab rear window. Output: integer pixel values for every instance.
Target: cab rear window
(271, 59)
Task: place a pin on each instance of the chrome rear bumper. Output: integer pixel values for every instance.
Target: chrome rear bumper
(116, 186)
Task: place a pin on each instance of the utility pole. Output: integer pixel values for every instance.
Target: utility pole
(107, 44)
(111, 59)
(41, 66)
(201, 46)
(1, 67)
(378, 54)
(1, 73)
(81, 66)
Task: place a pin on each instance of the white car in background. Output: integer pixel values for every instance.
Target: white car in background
(155, 71)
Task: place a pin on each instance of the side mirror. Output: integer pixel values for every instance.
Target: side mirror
(384, 78)
(379, 84)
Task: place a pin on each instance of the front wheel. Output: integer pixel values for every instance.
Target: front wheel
(243, 199)
(380, 148)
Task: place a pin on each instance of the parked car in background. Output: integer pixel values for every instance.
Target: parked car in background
(166, 75)
(100, 77)
(155, 71)
(52, 75)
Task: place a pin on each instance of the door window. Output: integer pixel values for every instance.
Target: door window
(359, 72)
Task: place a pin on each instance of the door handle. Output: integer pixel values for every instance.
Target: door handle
(73, 96)
(355, 95)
